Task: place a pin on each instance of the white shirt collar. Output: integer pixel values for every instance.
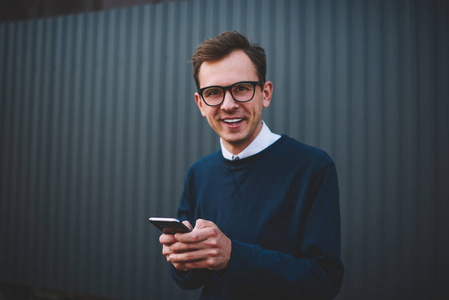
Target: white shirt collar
(263, 140)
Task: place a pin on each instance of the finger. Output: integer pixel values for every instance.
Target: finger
(201, 223)
(180, 267)
(166, 251)
(167, 239)
(208, 240)
(187, 223)
(196, 255)
(213, 258)
(196, 236)
(201, 264)
(210, 263)
(180, 247)
(199, 233)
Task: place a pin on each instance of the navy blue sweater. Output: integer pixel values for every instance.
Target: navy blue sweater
(280, 209)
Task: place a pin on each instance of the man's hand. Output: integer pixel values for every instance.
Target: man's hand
(205, 247)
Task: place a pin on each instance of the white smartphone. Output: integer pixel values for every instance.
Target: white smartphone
(169, 225)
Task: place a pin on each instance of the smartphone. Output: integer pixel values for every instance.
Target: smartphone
(169, 225)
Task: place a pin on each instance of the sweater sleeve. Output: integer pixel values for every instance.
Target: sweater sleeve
(315, 272)
(192, 279)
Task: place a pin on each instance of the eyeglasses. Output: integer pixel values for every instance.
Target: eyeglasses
(242, 91)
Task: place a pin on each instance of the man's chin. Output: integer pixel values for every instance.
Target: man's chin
(235, 138)
(235, 142)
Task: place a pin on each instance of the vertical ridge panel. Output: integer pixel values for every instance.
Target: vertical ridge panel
(441, 26)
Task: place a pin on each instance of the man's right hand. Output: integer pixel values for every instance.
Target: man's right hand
(169, 239)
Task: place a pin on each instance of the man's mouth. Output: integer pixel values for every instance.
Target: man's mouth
(232, 121)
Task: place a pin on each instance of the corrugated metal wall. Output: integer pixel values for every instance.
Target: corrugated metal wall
(98, 126)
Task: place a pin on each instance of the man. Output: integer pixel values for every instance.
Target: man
(265, 207)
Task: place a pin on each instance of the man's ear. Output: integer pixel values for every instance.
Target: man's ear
(200, 103)
(267, 93)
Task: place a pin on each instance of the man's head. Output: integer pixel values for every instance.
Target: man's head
(232, 92)
(221, 46)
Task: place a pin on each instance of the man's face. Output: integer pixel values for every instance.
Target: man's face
(237, 123)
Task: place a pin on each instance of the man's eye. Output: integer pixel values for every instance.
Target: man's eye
(212, 92)
(242, 88)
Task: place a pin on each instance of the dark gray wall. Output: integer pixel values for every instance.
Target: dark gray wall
(98, 126)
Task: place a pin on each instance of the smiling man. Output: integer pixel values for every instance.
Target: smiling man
(234, 114)
(265, 206)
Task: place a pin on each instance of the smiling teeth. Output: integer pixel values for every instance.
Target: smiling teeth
(232, 120)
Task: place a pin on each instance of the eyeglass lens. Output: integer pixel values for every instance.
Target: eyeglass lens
(242, 92)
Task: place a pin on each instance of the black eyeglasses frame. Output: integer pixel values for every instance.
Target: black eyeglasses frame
(229, 88)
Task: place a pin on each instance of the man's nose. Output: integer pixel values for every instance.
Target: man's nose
(228, 102)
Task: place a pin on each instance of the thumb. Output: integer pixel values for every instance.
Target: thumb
(200, 224)
(187, 223)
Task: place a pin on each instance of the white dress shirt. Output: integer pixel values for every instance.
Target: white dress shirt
(263, 140)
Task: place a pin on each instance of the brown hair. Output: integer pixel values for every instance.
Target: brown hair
(223, 45)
